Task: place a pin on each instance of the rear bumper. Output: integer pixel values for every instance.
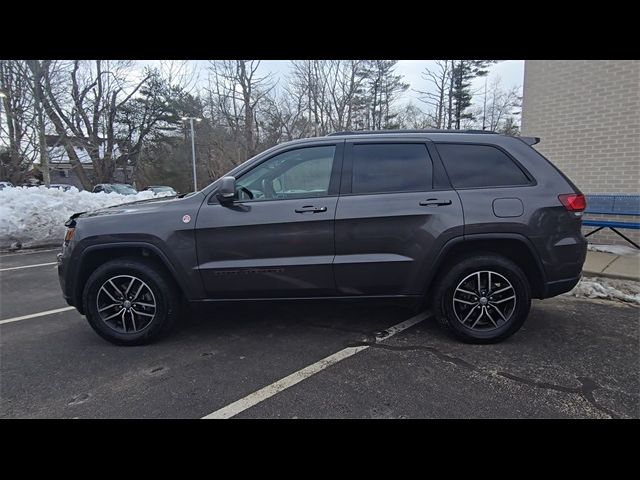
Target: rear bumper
(563, 263)
(559, 287)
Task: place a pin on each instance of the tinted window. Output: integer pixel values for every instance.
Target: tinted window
(385, 167)
(305, 172)
(471, 166)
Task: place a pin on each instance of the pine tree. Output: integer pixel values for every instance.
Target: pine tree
(463, 73)
(382, 88)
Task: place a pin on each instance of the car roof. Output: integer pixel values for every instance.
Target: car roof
(470, 136)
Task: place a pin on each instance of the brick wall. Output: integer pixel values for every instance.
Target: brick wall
(587, 114)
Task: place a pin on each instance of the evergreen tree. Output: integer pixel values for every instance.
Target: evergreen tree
(382, 87)
(463, 74)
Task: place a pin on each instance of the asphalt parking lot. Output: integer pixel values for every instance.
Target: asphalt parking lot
(574, 358)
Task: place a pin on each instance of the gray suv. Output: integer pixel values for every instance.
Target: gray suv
(474, 224)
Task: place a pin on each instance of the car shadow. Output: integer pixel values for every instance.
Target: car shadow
(355, 316)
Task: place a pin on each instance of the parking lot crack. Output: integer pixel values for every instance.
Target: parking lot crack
(585, 390)
(441, 355)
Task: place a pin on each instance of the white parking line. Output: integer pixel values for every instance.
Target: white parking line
(258, 396)
(27, 266)
(34, 315)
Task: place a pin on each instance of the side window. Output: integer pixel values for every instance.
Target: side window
(474, 166)
(391, 167)
(300, 173)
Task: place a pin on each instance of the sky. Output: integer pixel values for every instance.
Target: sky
(511, 73)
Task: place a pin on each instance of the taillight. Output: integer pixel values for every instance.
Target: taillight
(573, 202)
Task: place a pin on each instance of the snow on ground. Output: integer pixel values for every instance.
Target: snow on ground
(617, 249)
(607, 288)
(32, 217)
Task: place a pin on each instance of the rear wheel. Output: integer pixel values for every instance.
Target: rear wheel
(483, 299)
(130, 301)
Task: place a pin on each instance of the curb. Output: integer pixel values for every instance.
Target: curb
(4, 251)
(615, 276)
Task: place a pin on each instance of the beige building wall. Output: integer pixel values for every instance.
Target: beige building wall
(587, 114)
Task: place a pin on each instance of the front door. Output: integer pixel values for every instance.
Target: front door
(277, 238)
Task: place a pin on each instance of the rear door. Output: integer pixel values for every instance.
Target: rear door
(395, 212)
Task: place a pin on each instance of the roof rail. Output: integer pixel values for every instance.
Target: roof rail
(379, 132)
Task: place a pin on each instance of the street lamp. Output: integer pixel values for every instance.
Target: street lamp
(193, 148)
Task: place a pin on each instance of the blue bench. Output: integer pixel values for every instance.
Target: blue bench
(613, 205)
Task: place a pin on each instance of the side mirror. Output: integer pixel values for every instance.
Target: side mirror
(227, 190)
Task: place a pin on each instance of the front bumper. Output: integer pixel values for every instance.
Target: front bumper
(61, 278)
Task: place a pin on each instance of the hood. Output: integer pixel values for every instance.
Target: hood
(140, 206)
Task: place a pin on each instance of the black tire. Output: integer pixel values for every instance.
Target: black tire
(443, 299)
(164, 293)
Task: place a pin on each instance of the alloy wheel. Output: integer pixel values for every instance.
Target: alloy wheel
(484, 300)
(126, 304)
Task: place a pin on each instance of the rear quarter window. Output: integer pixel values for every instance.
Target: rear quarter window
(478, 166)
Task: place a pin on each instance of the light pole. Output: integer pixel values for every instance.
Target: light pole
(193, 149)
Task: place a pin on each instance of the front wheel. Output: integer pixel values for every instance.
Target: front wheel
(130, 301)
(483, 299)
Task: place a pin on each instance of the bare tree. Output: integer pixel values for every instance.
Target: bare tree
(307, 83)
(91, 105)
(412, 117)
(84, 114)
(235, 92)
(18, 121)
(37, 76)
(283, 118)
(500, 104)
(439, 78)
(346, 86)
(327, 90)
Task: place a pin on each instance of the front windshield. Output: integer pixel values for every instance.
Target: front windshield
(124, 189)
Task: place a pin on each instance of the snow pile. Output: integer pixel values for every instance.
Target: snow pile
(31, 217)
(608, 288)
(616, 249)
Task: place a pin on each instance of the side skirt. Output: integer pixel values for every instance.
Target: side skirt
(336, 297)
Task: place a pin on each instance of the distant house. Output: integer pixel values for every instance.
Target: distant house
(61, 171)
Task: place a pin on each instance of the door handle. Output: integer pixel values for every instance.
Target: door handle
(311, 209)
(434, 202)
